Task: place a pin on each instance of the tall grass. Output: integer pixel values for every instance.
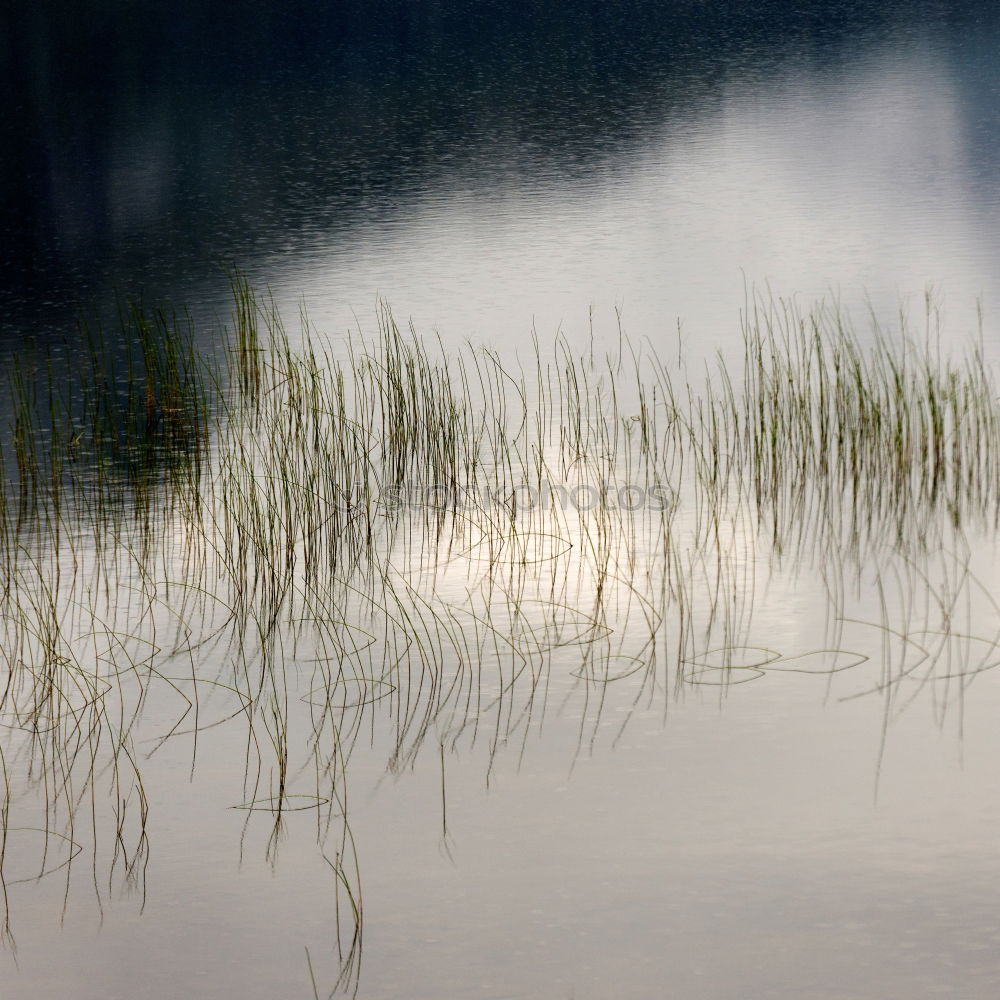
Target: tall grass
(324, 543)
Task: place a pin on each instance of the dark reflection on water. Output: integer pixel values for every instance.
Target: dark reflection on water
(143, 149)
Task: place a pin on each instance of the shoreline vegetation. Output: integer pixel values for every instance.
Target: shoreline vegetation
(314, 544)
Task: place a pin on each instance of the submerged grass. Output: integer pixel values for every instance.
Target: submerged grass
(326, 543)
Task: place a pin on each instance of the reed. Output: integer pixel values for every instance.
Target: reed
(323, 541)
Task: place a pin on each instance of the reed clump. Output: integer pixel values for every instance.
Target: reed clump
(323, 542)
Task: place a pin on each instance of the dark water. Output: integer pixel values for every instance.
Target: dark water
(487, 165)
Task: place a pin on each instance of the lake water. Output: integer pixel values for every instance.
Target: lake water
(487, 171)
(739, 748)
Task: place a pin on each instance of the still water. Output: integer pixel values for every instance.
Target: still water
(487, 171)
(494, 171)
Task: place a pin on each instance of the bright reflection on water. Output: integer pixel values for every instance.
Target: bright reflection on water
(743, 745)
(265, 707)
(857, 178)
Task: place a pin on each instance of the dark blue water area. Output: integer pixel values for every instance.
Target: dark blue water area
(147, 148)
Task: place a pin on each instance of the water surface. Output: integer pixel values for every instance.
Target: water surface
(485, 172)
(538, 802)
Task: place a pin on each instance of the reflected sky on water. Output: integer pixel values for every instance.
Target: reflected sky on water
(486, 171)
(492, 168)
